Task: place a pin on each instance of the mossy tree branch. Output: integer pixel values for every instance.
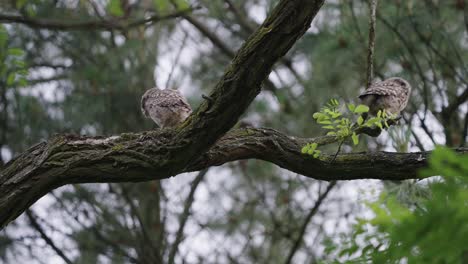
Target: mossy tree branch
(138, 157)
(201, 141)
(133, 157)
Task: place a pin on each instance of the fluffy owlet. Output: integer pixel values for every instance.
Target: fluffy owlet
(390, 95)
(167, 107)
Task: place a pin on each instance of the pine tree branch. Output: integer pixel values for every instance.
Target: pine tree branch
(114, 24)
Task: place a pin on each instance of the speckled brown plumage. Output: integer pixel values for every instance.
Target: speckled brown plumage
(391, 95)
(167, 108)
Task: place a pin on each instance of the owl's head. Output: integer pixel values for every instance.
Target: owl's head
(397, 81)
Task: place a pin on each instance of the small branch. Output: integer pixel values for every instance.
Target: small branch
(134, 210)
(185, 215)
(51, 24)
(312, 212)
(370, 51)
(448, 111)
(45, 237)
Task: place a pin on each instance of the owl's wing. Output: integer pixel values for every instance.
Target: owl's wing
(175, 101)
(144, 98)
(148, 98)
(170, 100)
(380, 88)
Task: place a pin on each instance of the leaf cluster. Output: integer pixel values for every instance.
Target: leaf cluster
(12, 66)
(342, 121)
(434, 230)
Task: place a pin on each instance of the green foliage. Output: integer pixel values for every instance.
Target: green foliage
(164, 5)
(433, 230)
(12, 65)
(101, 81)
(161, 5)
(311, 149)
(343, 122)
(115, 8)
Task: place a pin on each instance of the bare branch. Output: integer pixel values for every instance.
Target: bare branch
(306, 222)
(45, 237)
(370, 51)
(185, 215)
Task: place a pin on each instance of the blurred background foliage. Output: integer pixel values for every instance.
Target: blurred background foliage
(70, 78)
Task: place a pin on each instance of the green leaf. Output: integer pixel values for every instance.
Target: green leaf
(360, 120)
(351, 107)
(373, 121)
(22, 82)
(331, 133)
(15, 52)
(313, 146)
(361, 109)
(317, 115)
(3, 36)
(20, 3)
(328, 127)
(19, 63)
(161, 5)
(182, 4)
(355, 138)
(335, 114)
(30, 11)
(324, 122)
(11, 79)
(114, 8)
(305, 149)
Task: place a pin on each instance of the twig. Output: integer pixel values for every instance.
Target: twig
(306, 222)
(370, 54)
(176, 60)
(185, 215)
(337, 151)
(46, 238)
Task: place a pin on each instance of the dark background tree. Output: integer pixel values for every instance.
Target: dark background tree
(88, 63)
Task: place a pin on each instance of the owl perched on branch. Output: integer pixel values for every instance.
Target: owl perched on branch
(391, 95)
(167, 108)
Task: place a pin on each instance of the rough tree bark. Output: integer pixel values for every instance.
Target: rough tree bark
(201, 141)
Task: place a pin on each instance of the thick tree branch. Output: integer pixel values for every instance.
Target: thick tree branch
(160, 154)
(242, 80)
(143, 156)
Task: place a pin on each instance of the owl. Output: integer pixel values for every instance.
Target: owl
(166, 107)
(390, 95)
